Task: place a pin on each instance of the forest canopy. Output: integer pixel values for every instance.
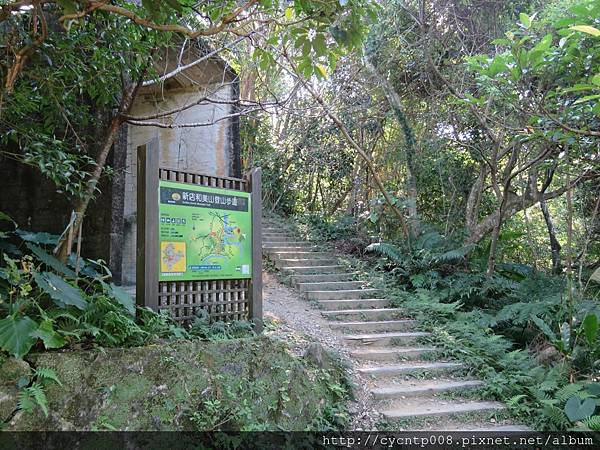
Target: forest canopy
(455, 144)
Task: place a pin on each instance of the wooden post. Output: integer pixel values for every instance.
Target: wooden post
(256, 313)
(147, 225)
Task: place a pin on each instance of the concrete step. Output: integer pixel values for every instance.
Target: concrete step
(282, 236)
(362, 303)
(330, 286)
(489, 428)
(283, 241)
(312, 269)
(408, 368)
(298, 254)
(382, 339)
(364, 314)
(288, 249)
(423, 407)
(393, 354)
(323, 278)
(380, 325)
(413, 388)
(345, 294)
(303, 262)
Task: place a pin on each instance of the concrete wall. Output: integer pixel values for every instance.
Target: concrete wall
(205, 149)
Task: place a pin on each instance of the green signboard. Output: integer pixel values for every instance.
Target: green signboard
(204, 233)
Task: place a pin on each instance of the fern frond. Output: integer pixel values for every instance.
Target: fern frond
(389, 250)
(568, 391)
(25, 402)
(36, 390)
(454, 255)
(556, 416)
(593, 423)
(45, 374)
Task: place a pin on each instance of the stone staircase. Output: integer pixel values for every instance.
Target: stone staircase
(412, 388)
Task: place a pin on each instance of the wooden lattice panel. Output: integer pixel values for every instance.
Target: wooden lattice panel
(225, 300)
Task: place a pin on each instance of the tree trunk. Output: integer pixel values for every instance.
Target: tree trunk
(555, 246)
(62, 249)
(361, 152)
(411, 181)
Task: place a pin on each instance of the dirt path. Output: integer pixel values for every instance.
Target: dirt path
(303, 324)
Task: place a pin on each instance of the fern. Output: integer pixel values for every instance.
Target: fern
(557, 416)
(389, 250)
(32, 396)
(44, 374)
(568, 391)
(454, 255)
(592, 423)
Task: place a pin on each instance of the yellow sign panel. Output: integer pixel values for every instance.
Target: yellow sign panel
(172, 257)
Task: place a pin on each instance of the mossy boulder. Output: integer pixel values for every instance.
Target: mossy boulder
(243, 384)
(11, 371)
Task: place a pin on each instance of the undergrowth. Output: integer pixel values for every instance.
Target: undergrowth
(532, 337)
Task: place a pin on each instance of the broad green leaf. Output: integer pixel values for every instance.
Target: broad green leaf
(38, 238)
(586, 29)
(15, 335)
(120, 296)
(545, 43)
(50, 260)
(587, 98)
(565, 335)
(577, 410)
(543, 326)
(596, 80)
(593, 388)
(590, 328)
(525, 20)
(59, 290)
(579, 87)
(49, 336)
(6, 218)
(320, 71)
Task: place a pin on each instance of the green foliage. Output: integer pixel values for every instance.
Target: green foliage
(54, 309)
(204, 328)
(34, 394)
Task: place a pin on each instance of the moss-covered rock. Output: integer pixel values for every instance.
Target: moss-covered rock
(11, 371)
(249, 384)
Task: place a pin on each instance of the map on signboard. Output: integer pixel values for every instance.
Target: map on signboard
(205, 233)
(222, 239)
(172, 256)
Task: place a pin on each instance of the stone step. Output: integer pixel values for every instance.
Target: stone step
(303, 262)
(298, 254)
(323, 278)
(364, 314)
(413, 388)
(381, 339)
(393, 354)
(423, 407)
(281, 240)
(345, 294)
(380, 325)
(362, 303)
(330, 286)
(298, 269)
(409, 368)
(490, 428)
(284, 236)
(288, 249)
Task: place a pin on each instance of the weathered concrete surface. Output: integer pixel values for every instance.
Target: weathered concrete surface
(252, 383)
(11, 370)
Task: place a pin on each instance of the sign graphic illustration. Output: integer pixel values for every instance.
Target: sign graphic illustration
(205, 233)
